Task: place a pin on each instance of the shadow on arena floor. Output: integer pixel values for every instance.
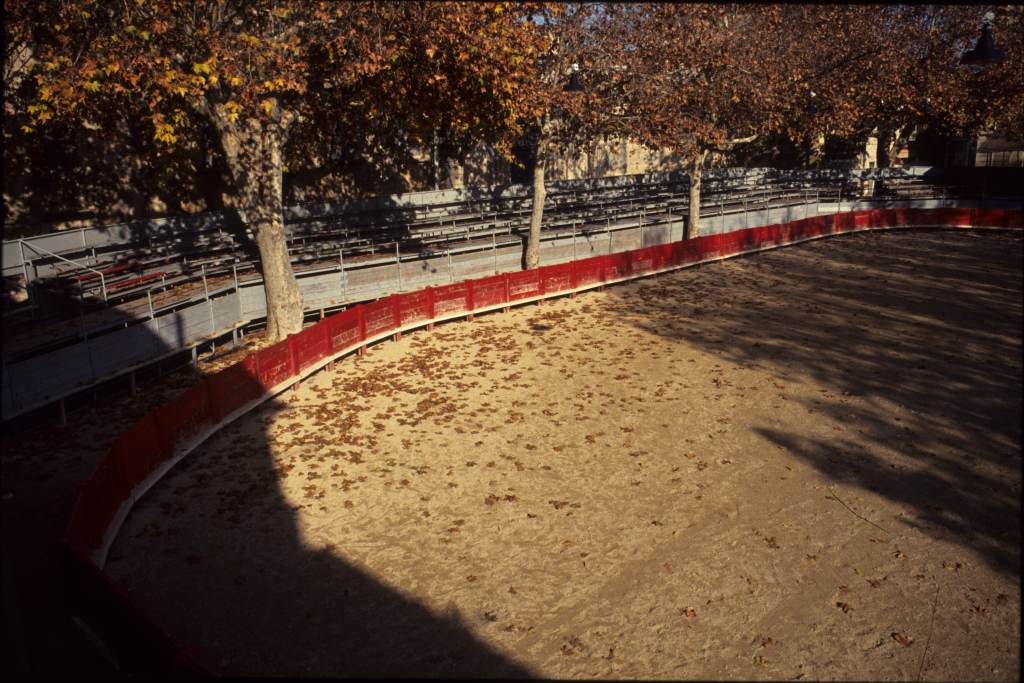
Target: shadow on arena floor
(247, 593)
(929, 321)
(253, 596)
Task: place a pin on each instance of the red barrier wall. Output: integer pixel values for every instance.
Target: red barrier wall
(588, 271)
(345, 329)
(379, 317)
(451, 299)
(140, 451)
(310, 345)
(525, 284)
(557, 278)
(415, 306)
(233, 387)
(489, 291)
(274, 365)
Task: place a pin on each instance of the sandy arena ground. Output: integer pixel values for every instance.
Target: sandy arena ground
(800, 464)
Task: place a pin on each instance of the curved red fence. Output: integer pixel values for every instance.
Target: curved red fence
(142, 454)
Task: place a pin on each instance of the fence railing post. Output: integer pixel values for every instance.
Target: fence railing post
(398, 262)
(344, 278)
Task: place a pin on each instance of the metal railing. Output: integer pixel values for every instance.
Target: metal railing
(40, 250)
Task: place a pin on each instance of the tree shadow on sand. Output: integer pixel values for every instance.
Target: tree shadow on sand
(257, 591)
(916, 339)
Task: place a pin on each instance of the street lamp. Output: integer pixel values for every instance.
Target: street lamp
(574, 84)
(985, 51)
(811, 107)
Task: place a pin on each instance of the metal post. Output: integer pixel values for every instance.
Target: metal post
(234, 274)
(103, 284)
(341, 270)
(494, 251)
(451, 271)
(209, 303)
(149, 296)
(574, 239)
(24, 263)
(398, 262)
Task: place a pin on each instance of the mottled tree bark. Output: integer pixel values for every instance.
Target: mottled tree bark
(693, 213)
(532, 259)
(253, 149)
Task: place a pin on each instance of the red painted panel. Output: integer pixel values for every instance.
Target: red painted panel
(233, 387)
(556, 278)
(379, 317)
(130, 466)
(414, 306)
(450, 299)
(274, 364)
(183, 417)
(642, 260)
(616, 266)
(896, 218)
(956, 216)
(801, 229)
(664, 257)
(524, 284)
(844, 222)
(99, 498)
(765, 235)
(140, 448)
(747, 239)
(863, 219)
(708, 246)
(489, 291)
(345, 329)
(588, 271)
(310, 346)
(730, 243)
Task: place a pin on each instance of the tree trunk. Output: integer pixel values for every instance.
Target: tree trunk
(693, 213)
(532, 259)
(284, 300)
(253, 152)
(890, 142)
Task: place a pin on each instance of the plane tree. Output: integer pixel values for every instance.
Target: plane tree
(258, 72)
(699, 78)
(883, 70)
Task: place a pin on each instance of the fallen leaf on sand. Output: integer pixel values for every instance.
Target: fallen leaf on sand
(902, 638)
(845, 606)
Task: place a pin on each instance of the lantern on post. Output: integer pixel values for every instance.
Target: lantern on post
(574, 84)
(985, 51)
